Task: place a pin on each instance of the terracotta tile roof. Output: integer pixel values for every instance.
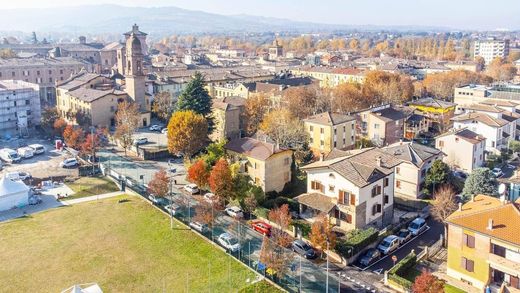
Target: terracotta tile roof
(498, 102)
(475, 215)
(483, 108)
(361, 168)
(481, 117)
(316, 201)
(253, 148)
(329, 118)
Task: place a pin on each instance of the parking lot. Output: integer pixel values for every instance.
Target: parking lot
(43, 166)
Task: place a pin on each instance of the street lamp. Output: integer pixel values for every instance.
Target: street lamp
(327, 282)
(339, 282)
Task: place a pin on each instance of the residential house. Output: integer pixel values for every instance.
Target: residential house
(330, 77)
(463, 149)
(268, 165)
(496, 129)
(493, 110)
(354, 188)
(330, 130)
(415, 125)
(437, 111)
(385, 124)
(484, 244)
(226, 114)
(416, 159)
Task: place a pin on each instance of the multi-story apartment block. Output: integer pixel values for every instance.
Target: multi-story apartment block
(512, 117)
(491, 49)
(331, 130)
(45, 72)
(474, 94)
(354, 188)
(384, 125)
(463, 149)
(330, 77)
(227, 118)
(266, 164)
(484, 244)
(19, 107)
(416, 159)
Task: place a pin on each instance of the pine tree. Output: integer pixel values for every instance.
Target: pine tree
(196, 98)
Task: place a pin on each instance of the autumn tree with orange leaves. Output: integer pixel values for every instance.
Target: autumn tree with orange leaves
(198, 173)
(282, 218)
(221, 180)
(427, 283)
(160, 184)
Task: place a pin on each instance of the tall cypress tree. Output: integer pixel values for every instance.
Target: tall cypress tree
(196, 98)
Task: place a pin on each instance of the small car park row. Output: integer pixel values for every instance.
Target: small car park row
(392, 242)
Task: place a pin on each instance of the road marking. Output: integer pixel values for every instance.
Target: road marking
(378, 271)
(408, 242)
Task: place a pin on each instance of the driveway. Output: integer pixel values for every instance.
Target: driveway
(48, 202)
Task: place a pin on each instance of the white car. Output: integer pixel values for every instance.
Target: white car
(172, 209)
(234, 212)
(417, 226)
(497, 172)
(191, 188)
(18, 176)
(155, 127)
(229, 242)
(140, 140)
(37, 148)
(389, 244)
(197, 226)
(68, 163)
(164, 131)
(210, 197)
(25, 152)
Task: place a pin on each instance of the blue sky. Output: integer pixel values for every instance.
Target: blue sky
(464, 14)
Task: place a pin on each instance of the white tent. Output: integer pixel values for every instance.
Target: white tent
(84, 288)
(13, 194)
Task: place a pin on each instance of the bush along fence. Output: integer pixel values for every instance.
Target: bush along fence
(297, 274)
(356, 241)
(393, 277)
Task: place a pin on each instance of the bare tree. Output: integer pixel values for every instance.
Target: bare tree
(282, 218)
(444, 205)
(162, 105)
(127, 119)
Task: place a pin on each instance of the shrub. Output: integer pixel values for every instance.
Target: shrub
(356, 240)
(261, 212)
(303, 225)
(401, 267)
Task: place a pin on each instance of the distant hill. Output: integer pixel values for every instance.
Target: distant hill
(156, 21)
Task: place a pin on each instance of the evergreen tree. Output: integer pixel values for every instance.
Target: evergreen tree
(480, 181)
(196, 98)
(437, 175)
(34, 39)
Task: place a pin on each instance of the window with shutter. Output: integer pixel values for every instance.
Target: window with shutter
(378, 189)
(378, 208)
(386, 199)
(469, 240)
(385, 182)
(352, 199)
(470, 265)
(463, 262)
(341, 197)
(313, 185)
(322, 188)
(514, 282)
(349, 218)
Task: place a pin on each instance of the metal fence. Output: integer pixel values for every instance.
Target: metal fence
(300, 274)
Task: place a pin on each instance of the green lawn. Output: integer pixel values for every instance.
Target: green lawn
(261, 287)
(88, 186)
(451, 289)
(124, 247)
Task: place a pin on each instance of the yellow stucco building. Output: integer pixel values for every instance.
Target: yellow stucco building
(330, 130)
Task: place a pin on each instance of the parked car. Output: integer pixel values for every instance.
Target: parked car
(18, 175)
(191, 188)
(9, 156)
(34, 199)
(210, 197)
(173, 209)
(370, 256)
(198, 226)
(229, 242)
(234, 212)
(69, 163)
(302, 248)
(37, 148)
(389, 244)
(460, 174)
(158, 200)
(261, 227)
(155, 127)
(417, 226)
(25, 152)
(404, 235)
(140, 140)
(497, 172)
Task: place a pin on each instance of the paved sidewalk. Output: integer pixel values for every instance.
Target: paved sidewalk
(92, 198)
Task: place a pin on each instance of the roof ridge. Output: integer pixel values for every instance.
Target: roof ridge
(479, 211)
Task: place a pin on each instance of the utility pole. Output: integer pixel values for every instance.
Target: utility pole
(93, 150)
(327, 282)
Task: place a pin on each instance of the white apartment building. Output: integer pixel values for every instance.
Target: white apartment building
(19, 107)
(354, 188)
(416, 159)
(463, 149)
(491, 49)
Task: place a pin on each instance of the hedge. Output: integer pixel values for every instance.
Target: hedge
(356, 241)
(405, 264)
(304, 226)
(261, 212)
(279, 201)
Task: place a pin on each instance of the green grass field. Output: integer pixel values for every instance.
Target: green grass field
(124, 247)
(452, 289)
(88, 186)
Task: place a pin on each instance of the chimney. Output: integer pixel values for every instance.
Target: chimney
(503, 199)
(378, 161)
(490, 224)
(322, 157)
(460, 206)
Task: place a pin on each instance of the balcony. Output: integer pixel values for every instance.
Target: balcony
(503, 264)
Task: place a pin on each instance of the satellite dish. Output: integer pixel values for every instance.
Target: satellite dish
(502, 188)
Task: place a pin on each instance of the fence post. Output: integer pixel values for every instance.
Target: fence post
(386, 278)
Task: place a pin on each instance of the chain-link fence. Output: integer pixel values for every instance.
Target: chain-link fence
(299, 274)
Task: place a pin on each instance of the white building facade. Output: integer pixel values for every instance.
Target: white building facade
(19, 107)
